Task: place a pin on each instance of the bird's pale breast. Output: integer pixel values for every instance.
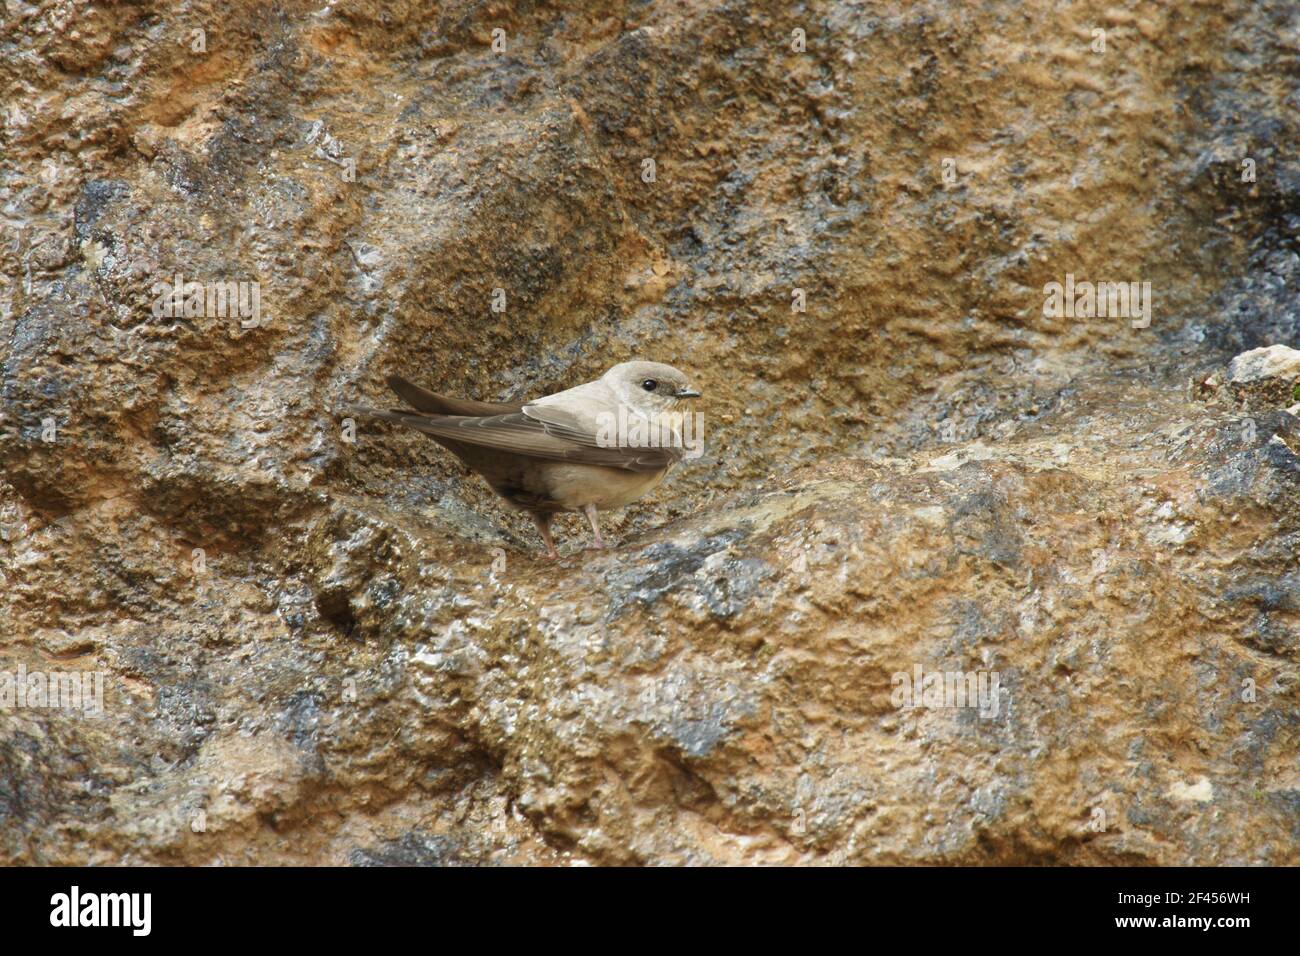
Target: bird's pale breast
(574, 485)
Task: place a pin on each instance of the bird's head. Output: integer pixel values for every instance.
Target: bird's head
(649, 387)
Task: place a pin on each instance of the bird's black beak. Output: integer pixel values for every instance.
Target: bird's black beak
(688, 393)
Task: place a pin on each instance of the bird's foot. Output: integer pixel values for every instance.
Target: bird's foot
(543, 523)
(599, 543)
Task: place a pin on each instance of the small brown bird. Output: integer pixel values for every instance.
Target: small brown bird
(599, 445)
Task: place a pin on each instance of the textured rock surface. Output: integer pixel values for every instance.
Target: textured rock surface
(315, 652)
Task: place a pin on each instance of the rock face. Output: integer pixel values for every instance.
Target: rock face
(317, 645)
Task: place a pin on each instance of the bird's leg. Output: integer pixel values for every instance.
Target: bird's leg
(543, 522)
(590, 512)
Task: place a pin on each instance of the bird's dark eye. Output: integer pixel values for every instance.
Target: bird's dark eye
(649, 385)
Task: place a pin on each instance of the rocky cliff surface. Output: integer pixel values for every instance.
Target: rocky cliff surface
(327, 646)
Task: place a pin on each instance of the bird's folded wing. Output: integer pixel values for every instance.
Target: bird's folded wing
(562, 439)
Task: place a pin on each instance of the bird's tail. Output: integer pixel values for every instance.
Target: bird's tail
(423, 400)
(426, 405)
(402, 416)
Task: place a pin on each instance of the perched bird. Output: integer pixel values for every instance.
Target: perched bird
(599, 445)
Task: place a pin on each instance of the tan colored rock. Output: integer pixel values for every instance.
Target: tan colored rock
(321, 646)
(1276, 361)
(1266, 377)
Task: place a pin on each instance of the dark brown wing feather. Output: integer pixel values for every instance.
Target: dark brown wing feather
(517, 434)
